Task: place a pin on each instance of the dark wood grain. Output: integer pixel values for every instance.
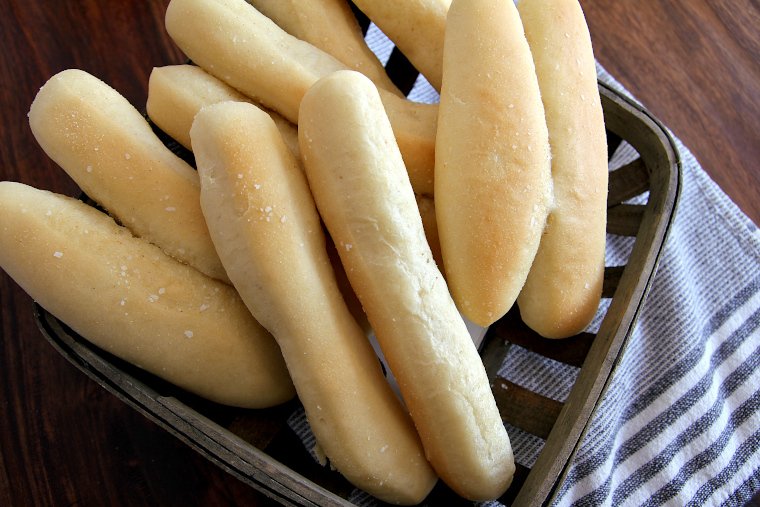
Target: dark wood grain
(65, 441)
(696, 66)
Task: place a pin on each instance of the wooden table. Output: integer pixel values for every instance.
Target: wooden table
(66, 441)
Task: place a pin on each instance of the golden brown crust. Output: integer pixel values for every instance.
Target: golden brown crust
(363, 194)
(492, 174)
(268, 233)
(563, 289)
(111, 152)
(132, 300)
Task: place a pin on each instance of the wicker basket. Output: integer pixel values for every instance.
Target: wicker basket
(259, 446)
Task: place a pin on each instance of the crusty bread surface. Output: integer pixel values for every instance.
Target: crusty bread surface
(268, 233)
(111, 152)
(563, 290)
(492, 163)
(363, 193)
(129, 298)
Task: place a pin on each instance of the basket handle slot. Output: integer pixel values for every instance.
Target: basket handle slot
(524, 409)
(612, 276)
(625, 219)
(627, 182)
(613, 143)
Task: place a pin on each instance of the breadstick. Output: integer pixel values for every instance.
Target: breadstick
(129, 298)
(416, 27)
(331, 26)
(492, 168)
(357, 176)
(563, 289)
(111, 152)
(249, 52)
(177, 92)
(268, 233)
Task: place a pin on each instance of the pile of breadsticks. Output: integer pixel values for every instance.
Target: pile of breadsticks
(325, 203)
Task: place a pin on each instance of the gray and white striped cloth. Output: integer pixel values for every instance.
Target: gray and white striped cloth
(680, 421)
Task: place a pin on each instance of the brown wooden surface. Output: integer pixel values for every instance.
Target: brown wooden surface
(65, 441)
